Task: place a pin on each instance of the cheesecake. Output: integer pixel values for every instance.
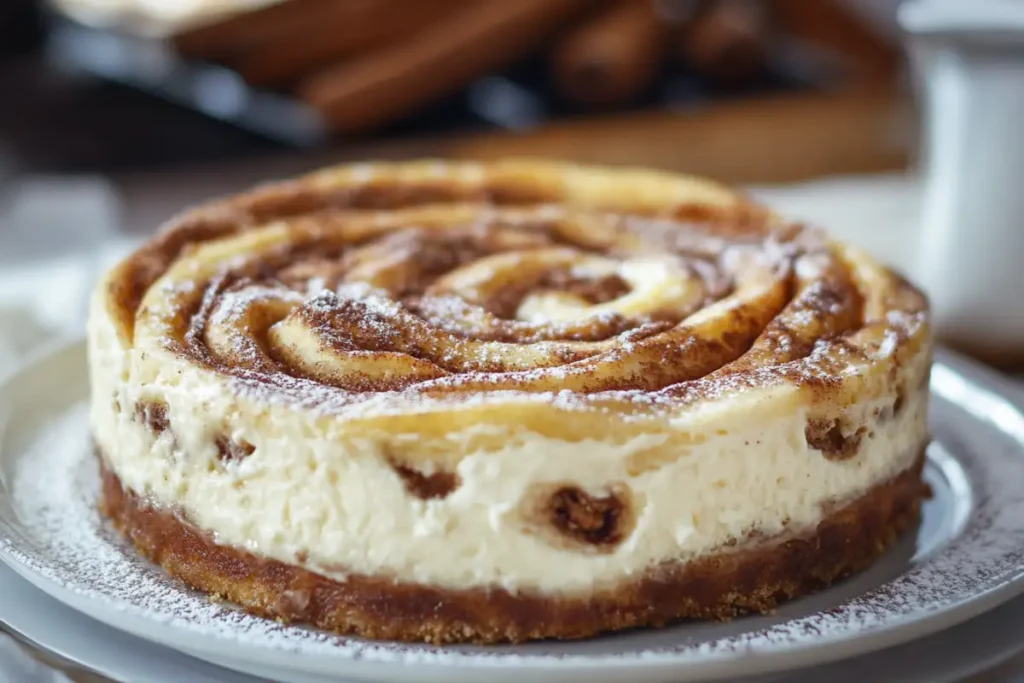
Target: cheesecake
(505, 401)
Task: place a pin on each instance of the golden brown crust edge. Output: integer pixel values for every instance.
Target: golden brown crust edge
(715, 587)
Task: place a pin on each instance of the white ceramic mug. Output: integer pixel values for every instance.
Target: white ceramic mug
(970, 60)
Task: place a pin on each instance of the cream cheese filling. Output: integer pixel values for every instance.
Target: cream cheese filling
(330, 501)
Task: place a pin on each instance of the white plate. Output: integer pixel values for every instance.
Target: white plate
(961, 651)
(965, 559)
(75, 638)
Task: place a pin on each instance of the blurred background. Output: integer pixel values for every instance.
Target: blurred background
(722, 87)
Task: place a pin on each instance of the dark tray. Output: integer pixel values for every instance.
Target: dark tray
(519, 98)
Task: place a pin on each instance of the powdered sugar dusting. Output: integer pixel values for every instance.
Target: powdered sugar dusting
(971, 546)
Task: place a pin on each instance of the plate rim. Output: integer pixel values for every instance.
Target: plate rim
(70, 648)
(1005, 648)
(778, 657)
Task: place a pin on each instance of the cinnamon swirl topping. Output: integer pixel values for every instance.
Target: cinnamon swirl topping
(403, 352)
(453, 291)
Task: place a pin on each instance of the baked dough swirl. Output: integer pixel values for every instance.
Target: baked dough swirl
(461, 401)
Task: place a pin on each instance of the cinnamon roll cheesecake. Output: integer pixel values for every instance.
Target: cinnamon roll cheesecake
(505, 401)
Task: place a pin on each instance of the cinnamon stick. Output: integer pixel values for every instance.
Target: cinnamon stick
(613, 56)
(237, 33)
(297, 53)
(830, 25)
(727, 41)
(387, 83)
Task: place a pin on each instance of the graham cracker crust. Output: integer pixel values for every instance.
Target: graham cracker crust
(752, 579)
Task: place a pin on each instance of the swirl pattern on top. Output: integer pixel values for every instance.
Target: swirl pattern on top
(443, 283)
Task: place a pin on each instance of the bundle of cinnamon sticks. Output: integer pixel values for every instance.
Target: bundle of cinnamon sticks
(365, 63)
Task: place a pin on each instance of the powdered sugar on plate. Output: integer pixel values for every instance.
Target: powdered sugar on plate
(967, 557)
